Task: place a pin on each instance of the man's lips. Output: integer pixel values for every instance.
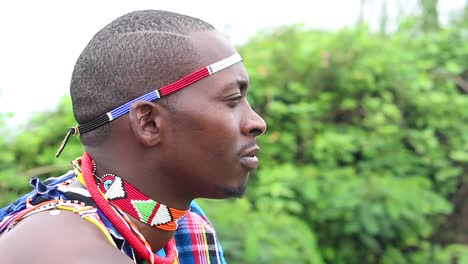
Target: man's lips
(249, 157)
(250, 162)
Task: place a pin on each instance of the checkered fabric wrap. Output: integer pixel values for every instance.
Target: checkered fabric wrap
(196, 239)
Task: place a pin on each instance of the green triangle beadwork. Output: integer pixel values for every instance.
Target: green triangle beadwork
(144, 209)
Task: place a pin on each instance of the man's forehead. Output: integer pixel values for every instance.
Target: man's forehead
(229, 80)
(234, 75)
(211, 46)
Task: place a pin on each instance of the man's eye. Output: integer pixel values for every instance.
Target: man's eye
(236, 99)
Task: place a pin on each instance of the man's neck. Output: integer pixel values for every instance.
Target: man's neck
(136, 176)
(146, 177)
(157, 238)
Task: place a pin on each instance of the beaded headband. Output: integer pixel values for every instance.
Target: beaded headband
(151, 96)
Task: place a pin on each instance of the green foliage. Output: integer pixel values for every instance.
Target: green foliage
(367, 137)
(31, 151)
(366, 145)
(8, 174)
(37, 144)
(252, 235)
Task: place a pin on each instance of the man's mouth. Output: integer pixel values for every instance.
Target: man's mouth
(250, 162)
(249, 157)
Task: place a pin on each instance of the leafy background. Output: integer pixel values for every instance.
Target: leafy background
(366, 155)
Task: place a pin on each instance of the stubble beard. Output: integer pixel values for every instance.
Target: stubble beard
(235, 192)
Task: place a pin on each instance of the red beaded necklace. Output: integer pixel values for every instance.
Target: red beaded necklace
(137, 242)
(121, 193)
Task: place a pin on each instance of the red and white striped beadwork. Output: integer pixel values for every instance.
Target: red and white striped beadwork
(122, 194)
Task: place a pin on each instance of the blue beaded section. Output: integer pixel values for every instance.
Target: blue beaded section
(125, 108)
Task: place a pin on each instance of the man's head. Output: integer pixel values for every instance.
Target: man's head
(136, 53)
(199, 140)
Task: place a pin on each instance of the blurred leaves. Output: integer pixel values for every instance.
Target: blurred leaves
(29, 151)
(367, 137)
(366, 147)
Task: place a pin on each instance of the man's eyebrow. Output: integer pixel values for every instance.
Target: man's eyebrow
(242, 84)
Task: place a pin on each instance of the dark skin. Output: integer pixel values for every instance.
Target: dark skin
(203, 147)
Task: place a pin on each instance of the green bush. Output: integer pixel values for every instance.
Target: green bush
(366, 145)
(367, 138)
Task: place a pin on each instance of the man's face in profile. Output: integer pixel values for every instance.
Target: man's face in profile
(213, 147)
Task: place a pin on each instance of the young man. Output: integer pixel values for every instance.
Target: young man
(160, 99)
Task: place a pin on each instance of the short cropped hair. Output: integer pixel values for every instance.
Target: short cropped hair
(136, 53)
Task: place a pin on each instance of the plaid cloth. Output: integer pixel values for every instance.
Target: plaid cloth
(196, 239)
(195, 236)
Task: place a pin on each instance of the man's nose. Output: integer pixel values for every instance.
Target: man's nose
(254, 125)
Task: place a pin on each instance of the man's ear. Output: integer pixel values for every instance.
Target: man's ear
(145, 122)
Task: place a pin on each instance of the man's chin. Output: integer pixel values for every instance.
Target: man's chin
(233, 192)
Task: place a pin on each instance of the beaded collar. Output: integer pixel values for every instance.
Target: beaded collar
(122, 194)
(121, 222)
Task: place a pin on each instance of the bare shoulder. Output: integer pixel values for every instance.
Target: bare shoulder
(62, 238)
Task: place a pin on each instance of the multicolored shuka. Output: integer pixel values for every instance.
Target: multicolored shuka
(195, 237)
